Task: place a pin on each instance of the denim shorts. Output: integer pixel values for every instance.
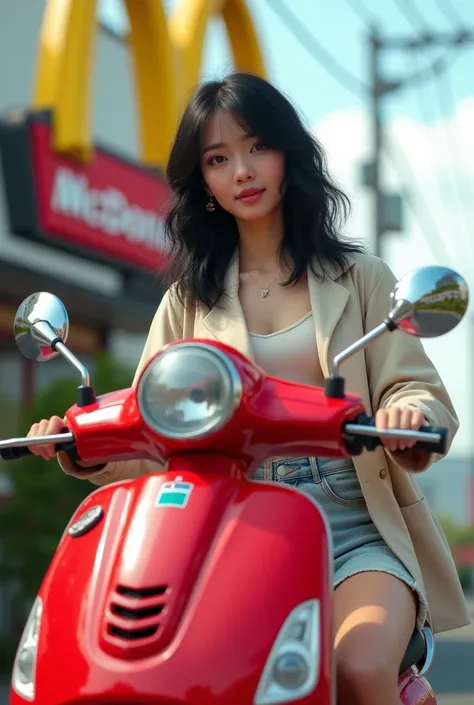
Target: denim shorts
(358, 546)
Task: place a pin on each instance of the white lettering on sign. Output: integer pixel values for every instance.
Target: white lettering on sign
(105, 209)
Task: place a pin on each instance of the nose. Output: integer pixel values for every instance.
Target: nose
(243, 171)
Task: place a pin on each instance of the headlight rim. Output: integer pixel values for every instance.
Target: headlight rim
(228, 367)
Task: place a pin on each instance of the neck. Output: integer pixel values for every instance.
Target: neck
(259, 242)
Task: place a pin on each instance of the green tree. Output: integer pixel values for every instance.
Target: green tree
(44, 498)
(457, 534)
(460, 535)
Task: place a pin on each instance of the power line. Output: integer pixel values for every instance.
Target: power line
(450, 12)
(411, 13)
(431, 232)
(317, 50)
(361, 11)
(436, 67)
(327, 60)
(402, 165)
(445, 98)
(428, 226)
(433, 235)
(423, 110)
(345, 78)
(415, 17)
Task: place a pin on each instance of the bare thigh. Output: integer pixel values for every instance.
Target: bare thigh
(375, 615)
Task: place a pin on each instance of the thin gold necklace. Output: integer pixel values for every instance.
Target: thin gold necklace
(266, 289)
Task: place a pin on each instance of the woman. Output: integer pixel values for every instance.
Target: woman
(259, 264)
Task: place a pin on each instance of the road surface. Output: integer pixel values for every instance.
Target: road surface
(452, 675)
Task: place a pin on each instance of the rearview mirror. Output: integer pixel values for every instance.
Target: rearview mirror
(429, 302)
(426, 303)
(41, 319)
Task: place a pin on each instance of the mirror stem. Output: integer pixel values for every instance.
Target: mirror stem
(360, 344)
(67, 354)
(335, 383)
(45, 334)
(85, 393)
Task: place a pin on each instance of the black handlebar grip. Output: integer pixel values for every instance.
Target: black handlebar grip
(439, 447)
(371, 442)
(14, 453)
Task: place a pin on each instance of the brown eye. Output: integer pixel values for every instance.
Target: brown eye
(214, 160)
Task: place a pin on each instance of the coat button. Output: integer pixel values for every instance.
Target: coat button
(383, 474)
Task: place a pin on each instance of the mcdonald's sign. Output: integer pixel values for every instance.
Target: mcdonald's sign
(63, 189)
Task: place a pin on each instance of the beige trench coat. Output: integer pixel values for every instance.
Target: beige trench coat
(394, 370)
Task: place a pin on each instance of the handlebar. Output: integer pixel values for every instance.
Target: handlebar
(15, 448)
(360, 434)
(363, 435)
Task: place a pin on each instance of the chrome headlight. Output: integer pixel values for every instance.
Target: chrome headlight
(24, 668)
(292, 669)
(189, 391)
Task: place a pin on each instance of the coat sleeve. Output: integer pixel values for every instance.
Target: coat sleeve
(400, 373)
(165, 328)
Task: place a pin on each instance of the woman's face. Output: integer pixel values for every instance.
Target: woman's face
(242, 174)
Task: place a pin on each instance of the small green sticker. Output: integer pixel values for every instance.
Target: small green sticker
(174, 494)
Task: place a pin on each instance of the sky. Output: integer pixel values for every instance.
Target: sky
(428, 128)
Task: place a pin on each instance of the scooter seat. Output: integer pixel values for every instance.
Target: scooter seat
(414, 653)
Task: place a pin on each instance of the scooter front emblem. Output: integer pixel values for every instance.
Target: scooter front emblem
(175, 493)
(86, 522)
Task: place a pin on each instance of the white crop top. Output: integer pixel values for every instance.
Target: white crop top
(290, 353)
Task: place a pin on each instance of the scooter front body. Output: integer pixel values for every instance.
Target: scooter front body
(173, 588)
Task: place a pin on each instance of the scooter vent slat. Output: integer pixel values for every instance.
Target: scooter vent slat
(139, 613)
(139, 593)
(130, 634)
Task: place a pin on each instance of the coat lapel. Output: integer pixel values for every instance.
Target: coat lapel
(328, 300)
(226, 323)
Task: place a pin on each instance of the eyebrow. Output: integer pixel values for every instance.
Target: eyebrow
(220, 145)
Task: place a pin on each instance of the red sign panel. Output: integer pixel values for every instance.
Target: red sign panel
(109, 208)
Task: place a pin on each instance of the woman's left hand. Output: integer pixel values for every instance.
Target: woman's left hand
(397, 417)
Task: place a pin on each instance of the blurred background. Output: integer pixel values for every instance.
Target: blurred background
(387, 86)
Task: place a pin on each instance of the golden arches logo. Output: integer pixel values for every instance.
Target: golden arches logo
(167, 55)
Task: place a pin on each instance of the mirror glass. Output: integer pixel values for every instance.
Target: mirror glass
(40, 319)
(429, 302)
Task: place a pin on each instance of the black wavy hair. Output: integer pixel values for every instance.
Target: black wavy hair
(204, 243)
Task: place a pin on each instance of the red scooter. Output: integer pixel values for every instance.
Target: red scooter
(184, 587)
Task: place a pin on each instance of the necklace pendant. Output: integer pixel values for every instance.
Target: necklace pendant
(264, 293)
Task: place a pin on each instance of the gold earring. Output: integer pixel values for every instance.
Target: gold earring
(210, 205)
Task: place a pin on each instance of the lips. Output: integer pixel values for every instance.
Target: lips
(250, 192)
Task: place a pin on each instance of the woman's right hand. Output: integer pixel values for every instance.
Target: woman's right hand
(45, 427)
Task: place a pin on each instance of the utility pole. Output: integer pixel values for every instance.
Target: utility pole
(388, 207)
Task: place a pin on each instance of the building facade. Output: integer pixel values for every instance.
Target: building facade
(96, 265)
